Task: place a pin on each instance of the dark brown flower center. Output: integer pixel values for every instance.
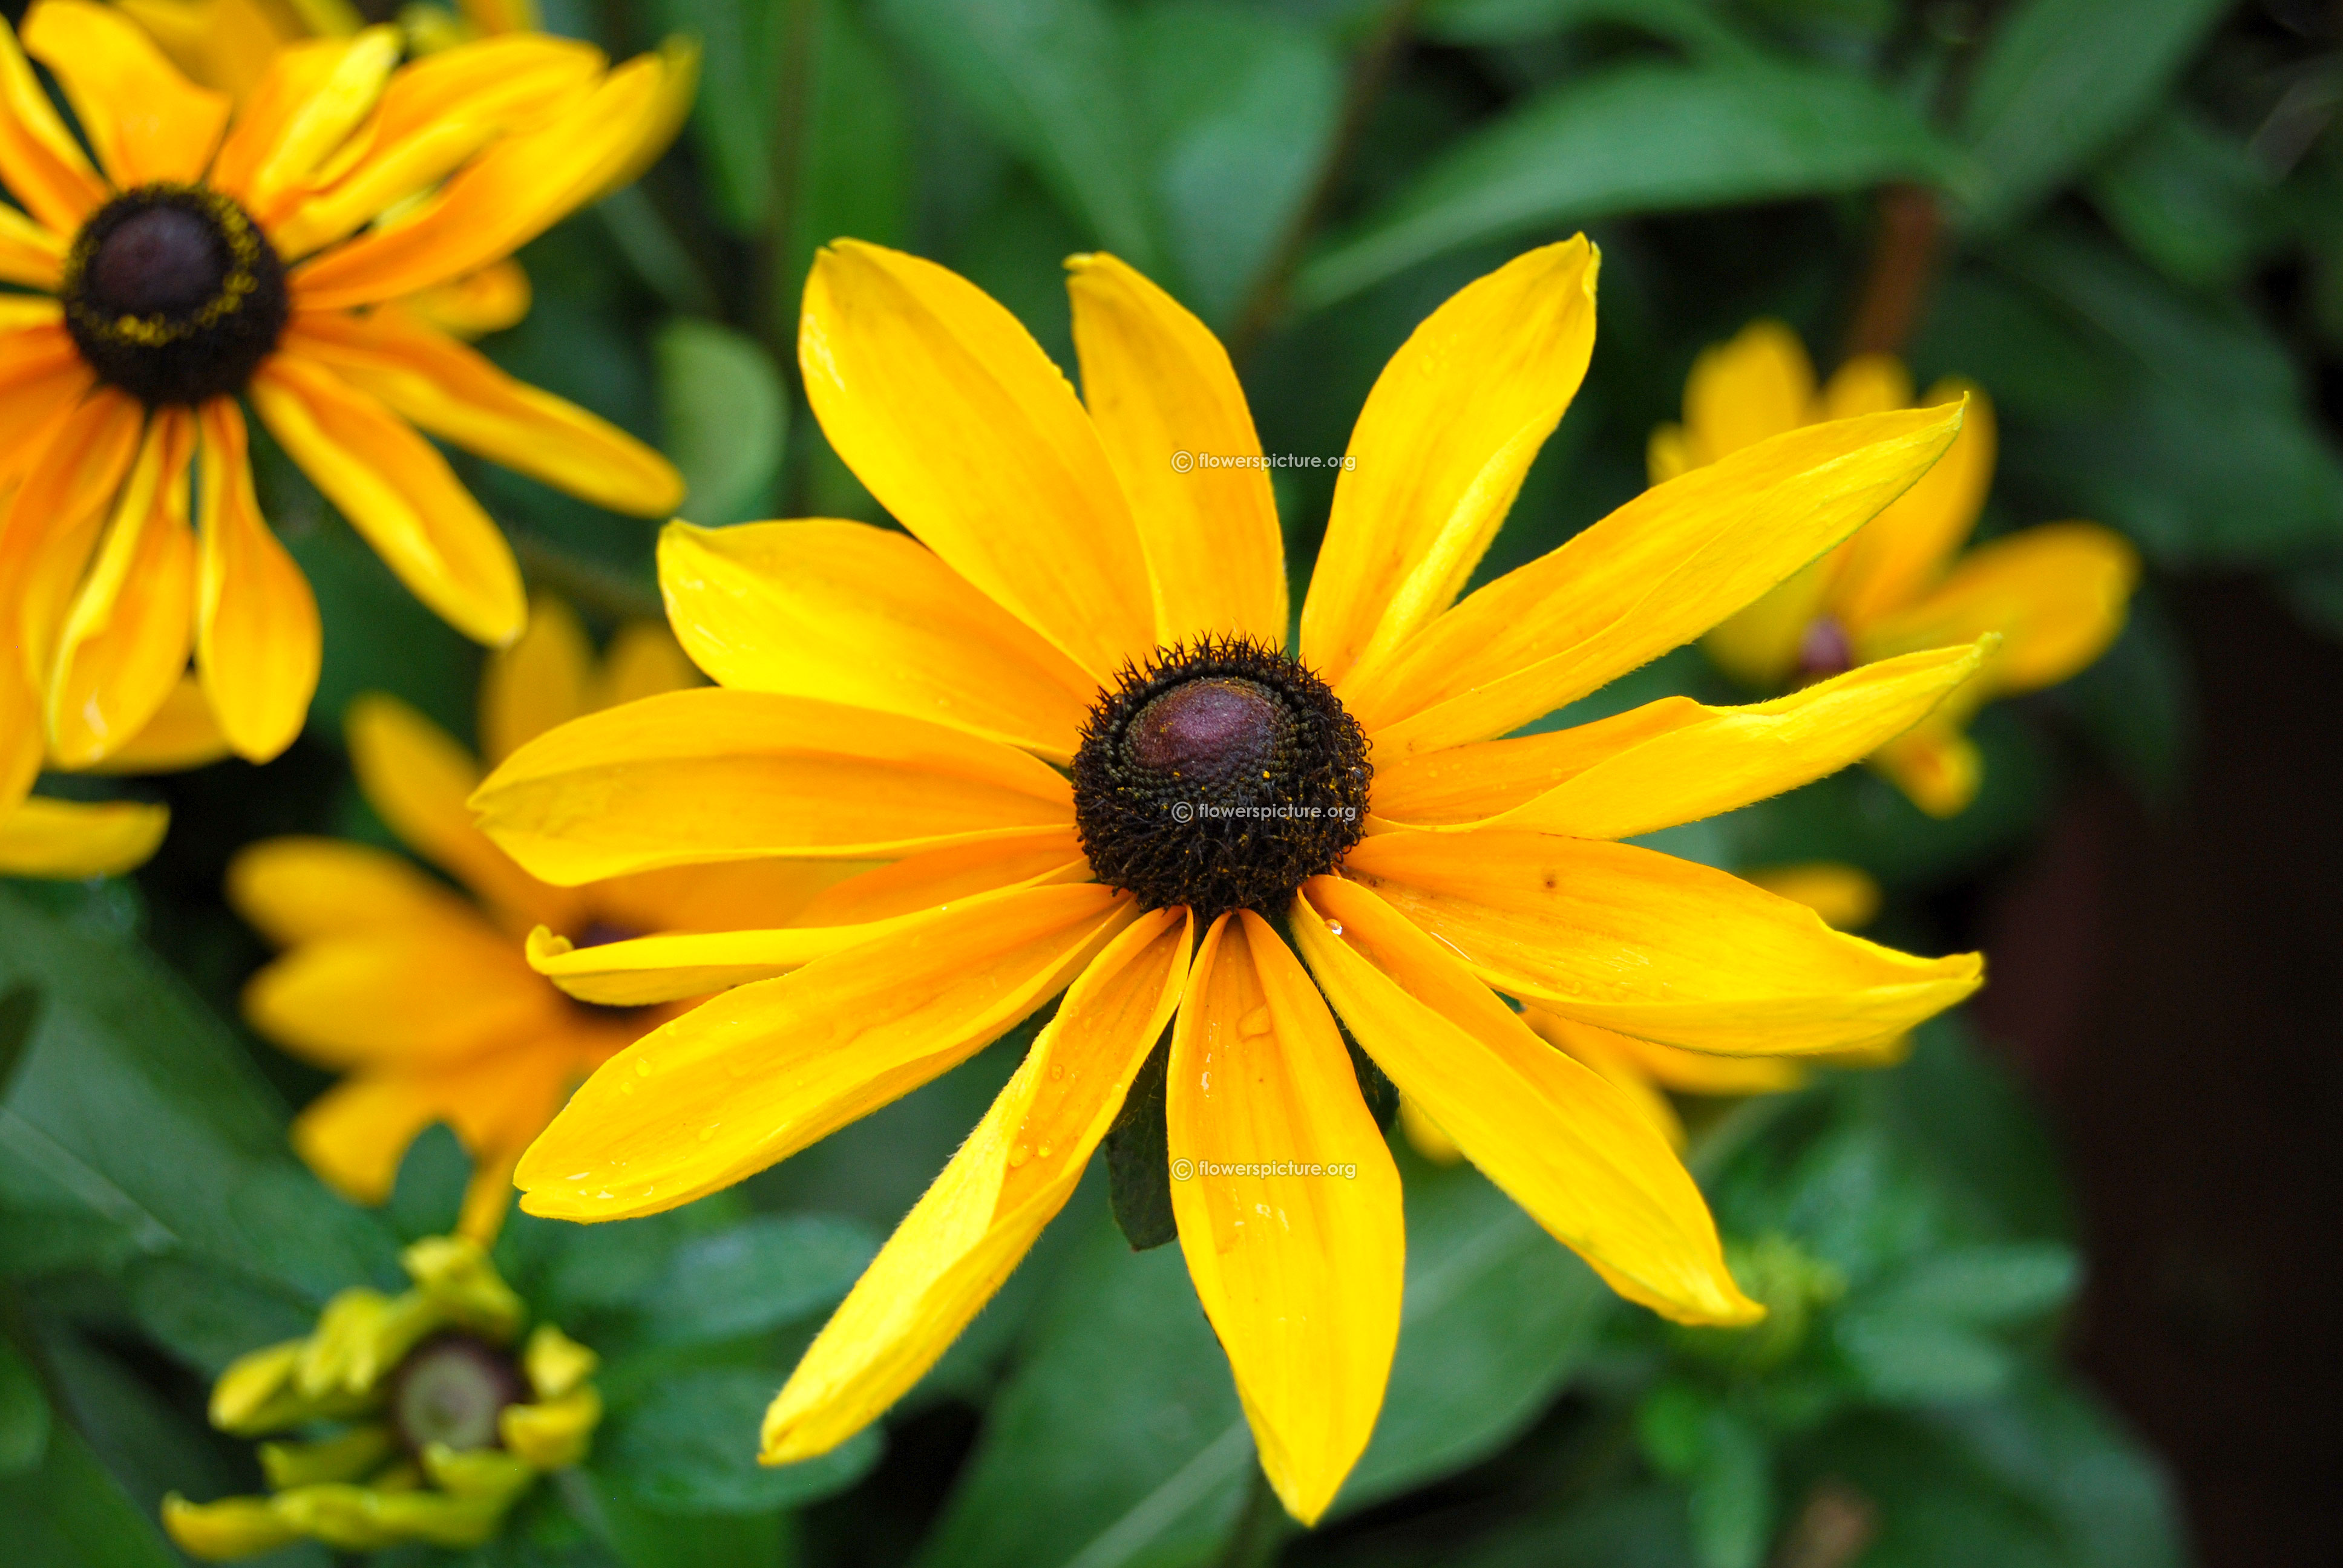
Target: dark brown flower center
(1222, 777)
(173, 294)
(450, 1389)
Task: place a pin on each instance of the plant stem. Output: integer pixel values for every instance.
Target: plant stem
(1903, 259)
(1260, 1527)
(1369, 73)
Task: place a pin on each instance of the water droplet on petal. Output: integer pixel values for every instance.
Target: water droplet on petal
(1256, 1023)
(1335, 927)
(1019, 1155)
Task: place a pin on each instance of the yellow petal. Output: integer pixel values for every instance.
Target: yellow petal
(640, 970)
(457, 395)
(258, 646)
(124, 644)
(230, 1528)
(1685, 1071)
(629, 788)
(294, 74)
(553, 1433)
(40, 163)
(946, 408)
(859, 614)
(2056, 594)
(1160, 387)
(183, 734)
(67, 838)
(661, 117)
(1936, 766)
(937, 876)
(1903, 549)
(725, 896)
(1707, 760)
(29, 254)
(536, 683)
(755, 1075)
(42, 379)
(1750, 390)
(222, 44)
(1300, 1270)
(1845, 896)
(981, 1215)
(296, 890)
(342, 95)
(1425, 1136)
(1566, 1145)
(1667, 454)
(147, 122)
(643, 659)
(398, 492)
(477, 304)
(514, 191)
(1867, 384)
(1610, 1056)
(355, 1134)
(1651, 576)
(417, 778)
(1453, 425)
(1760, 645)
(419, 997)
(1653, 946)
(54, 522)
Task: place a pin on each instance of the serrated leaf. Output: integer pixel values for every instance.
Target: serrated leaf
(1638, 138)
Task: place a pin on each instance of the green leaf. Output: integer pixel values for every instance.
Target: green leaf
(1242, 106)
(1139, 1157)
(1048, 79)
(1117, 1438)
(23, 1413)
(643, 1539)
(691, 1447)
(733, 117)
(69, 1513)
(2194, 201)
(2060, 81)
(209, 1316)
(428, 1195)
(757, 1275)
(726, 418)
(1498, 1315)
(1985, 1285)
(1732, 1494)
(1902, 1360)
(855, 172)
(2138, 703)
(1483, 22)
(1638, 138)
(2054, 1444)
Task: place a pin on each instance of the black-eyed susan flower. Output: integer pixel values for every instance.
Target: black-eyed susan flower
(44, 836)
(218, 253)
(424, 1000)
(1064, 711)
(439, 1413)
(2056, 594)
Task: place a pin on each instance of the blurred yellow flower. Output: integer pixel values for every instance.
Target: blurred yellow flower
(217, 252)
(425, 1001)
(1101, 591)
(445, 1417)
(2056, 594)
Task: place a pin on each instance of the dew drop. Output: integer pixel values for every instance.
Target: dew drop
(1019, 1155)
(642, 1067)
(1335, 927)
(1256, 1023)
(1044, 1151)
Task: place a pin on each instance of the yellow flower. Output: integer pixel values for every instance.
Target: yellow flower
(2056, 594)
(426, 1000)
(218, 254)
(41, 836)
(443, 1422)
(1064, 714)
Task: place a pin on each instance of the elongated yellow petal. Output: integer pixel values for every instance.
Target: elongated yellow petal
(946, 408)
(1711, 761)
(398, 492)
(123, 645)
(431, 995)
(1290, 1214)
(1653, 946)
(1566, 1145)
(981, 1215)
(258, 645)
(147, 121)
(937, 876)
(628, 789)
(456, 394)
(724, 896)
(1651, 576)
(42, 379)
(1937, 767)
(536, 683)
(643, 659)
(313, 132)
(297, 889)
(1749, 390)
(40, 163)
(29, 254)
(757, 1073)
(1687, 1071)
(295, 73)
(53, 523)
(69, 838)
(517, 188)
(1609, 1057)
(355, 1134)
(495, 297)
(1442, 445)
(183, 734)
(1895, 557)
(417, 779)
(850, 613)
(1167, 404)
(1760, 645)
(1845, 896)
(2056, 594)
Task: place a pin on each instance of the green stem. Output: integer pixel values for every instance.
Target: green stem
(1260, 1526)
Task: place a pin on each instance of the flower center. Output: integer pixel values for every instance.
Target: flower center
(172, 294)
(449, 1389)
(1825, 651)
(1222, 777)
